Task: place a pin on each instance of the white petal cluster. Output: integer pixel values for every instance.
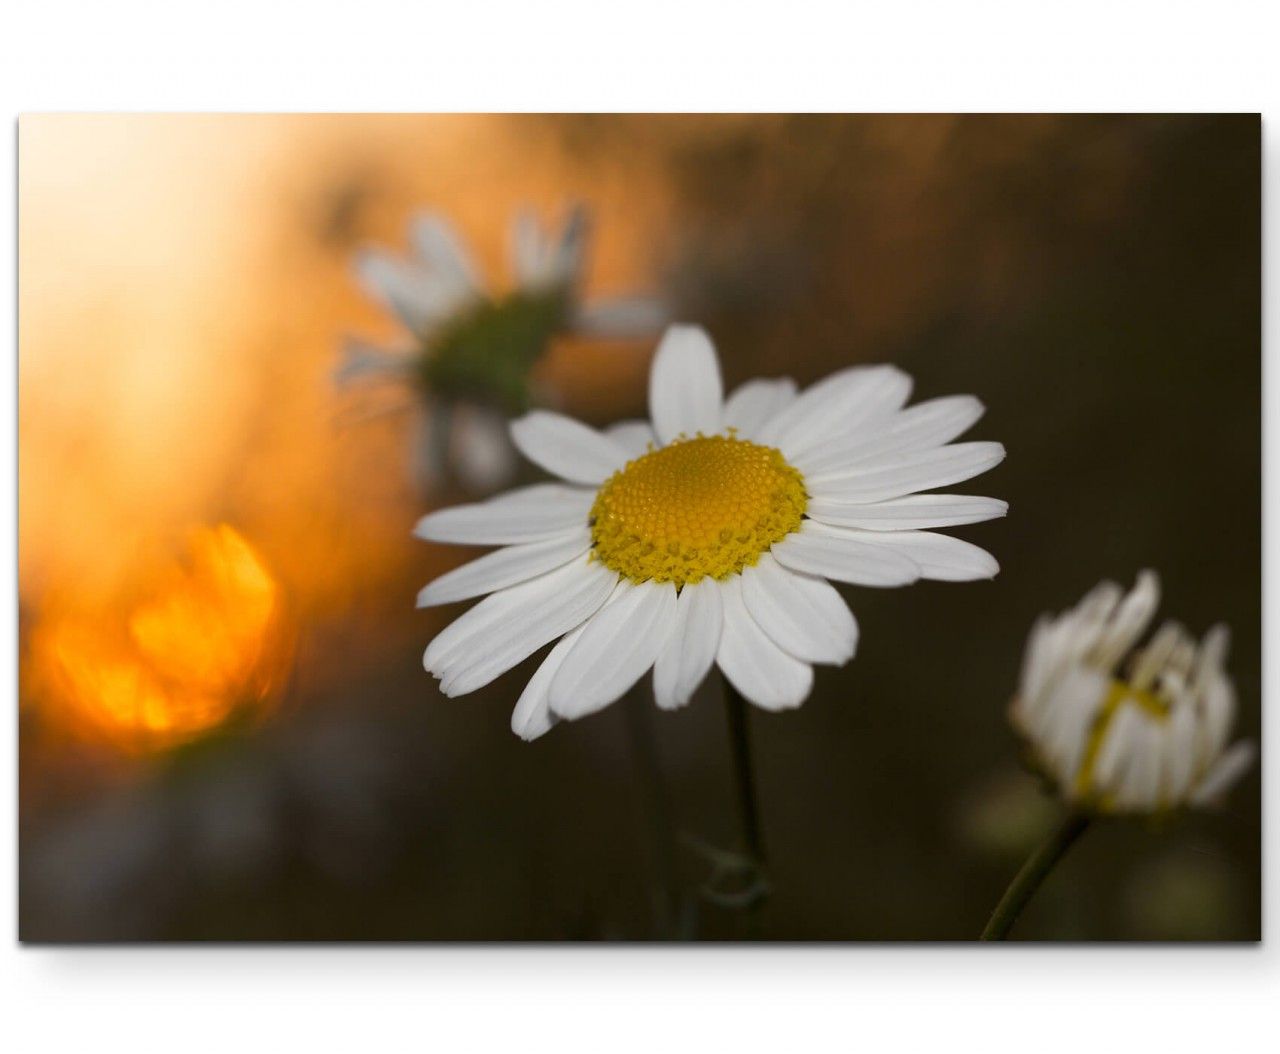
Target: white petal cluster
(1128, 730)
(440, 283)
(863, 456)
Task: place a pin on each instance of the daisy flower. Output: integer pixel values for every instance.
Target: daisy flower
(1121, 729)
(470, 353)
(706, 535)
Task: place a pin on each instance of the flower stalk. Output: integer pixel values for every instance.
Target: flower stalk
(664, 893)
(738, 880)
(744, 774)
(1032, 875)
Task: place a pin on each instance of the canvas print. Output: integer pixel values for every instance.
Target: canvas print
(591, 527)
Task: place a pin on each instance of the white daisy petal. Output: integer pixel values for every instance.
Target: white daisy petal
(617, 647)
(915, 512)
(1230, 767)
(530, 252)
(691, 648)
(543, 262)
(480, 445)
(532, 716)
(1130, 619)
(459, 643)
(527, 514)
(507, 627)
(920, 427)
(1156, 748)
(437, 243)
(1164, 747)
(1084, 626)
(893, 477)
(1215, 713)
(1139, 782)
(841, 555)
(1181, 662)
(754, 404)
(762, 672)
(685, 390)
(567, 448)
(939, 556)
(1152, 659)
(635, 437)
(1181, 769)
(407, 289)
(620, 318)
(1076, 705)
(803, 615)
(569, 251)
(843, 404)
(507, 566)
(1037, 657)
(1218, 698)
(1211, 655)
(1049, 718)
(1116, 751)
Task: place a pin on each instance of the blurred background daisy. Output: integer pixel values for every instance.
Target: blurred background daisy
(1128, 730)
(185, 283)
(472, 354)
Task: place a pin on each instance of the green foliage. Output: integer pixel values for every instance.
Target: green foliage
(486, 354)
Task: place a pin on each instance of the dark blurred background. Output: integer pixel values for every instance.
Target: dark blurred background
(184, 285)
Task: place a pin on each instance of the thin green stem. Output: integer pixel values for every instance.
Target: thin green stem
(744, 773)
(657, 807)
(441, 425)
(1032, 874)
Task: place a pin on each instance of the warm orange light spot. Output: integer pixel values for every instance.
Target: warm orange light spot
(203, 643)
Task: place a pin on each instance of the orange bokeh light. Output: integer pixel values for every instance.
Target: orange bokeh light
(203, 641)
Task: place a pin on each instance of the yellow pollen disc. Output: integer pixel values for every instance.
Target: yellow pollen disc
(1120, 694)
(703, 506)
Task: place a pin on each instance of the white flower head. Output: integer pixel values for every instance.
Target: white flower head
(473, 352)
(1128, 730)
(706, 535)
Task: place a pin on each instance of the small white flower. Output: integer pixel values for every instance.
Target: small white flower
(1124, 730)
(706, 535)
(472, 353)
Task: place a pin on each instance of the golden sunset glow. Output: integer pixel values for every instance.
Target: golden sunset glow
(180, 328)
(203, 641)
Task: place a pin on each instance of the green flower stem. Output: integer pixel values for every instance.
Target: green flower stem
(657, 807)
(441, 424)
(744, 776)
(1032, 874)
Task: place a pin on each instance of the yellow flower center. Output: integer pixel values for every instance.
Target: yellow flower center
(703, 506)
(1120, 694)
